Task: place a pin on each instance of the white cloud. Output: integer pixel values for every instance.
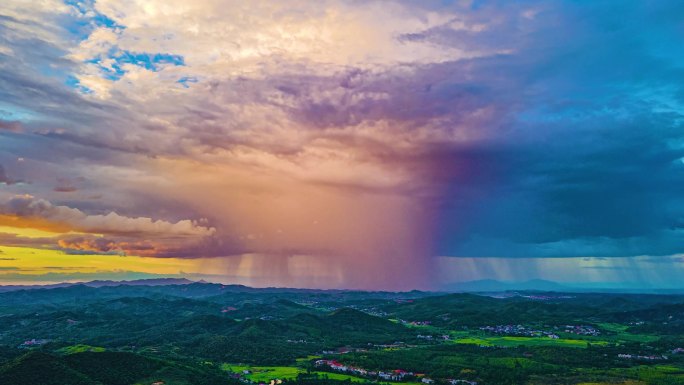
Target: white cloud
(27, 206)
(229, 39)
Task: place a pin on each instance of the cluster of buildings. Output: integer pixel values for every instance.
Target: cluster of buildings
(33, 342)
(520, 330)
(638, 357)
(394, 345)
(392, 375)
(443, 337)
(300, 341)
(514, 330)
(583, 330)
(347, 349)
(371, 310)
(395, 375)
(462, 382)
(417, 323)
(337, 366)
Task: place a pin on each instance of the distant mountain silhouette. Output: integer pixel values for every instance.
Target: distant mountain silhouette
(490, 285)
(203, 287)
(98, 283)
(540, 285)
(142, 282)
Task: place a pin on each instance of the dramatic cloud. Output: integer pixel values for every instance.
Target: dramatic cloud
(26, 206)
(103, 233)
(354, 141)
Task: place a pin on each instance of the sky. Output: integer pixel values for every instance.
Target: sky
(342, 144)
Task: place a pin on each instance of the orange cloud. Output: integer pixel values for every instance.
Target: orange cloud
(111, 233)
(31, 208)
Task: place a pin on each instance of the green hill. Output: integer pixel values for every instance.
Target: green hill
(104, 368)
(42, 369)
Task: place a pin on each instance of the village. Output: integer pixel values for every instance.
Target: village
(33, 343)
(643, 358)
(396, 375)
(520, 330)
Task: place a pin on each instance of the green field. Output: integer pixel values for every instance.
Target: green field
(659, 374)
(307, 359)
(478, 338)
(267, 373)
(339, 376)
(80, 348)
(623, 336)
(264, 373)
(511, 341)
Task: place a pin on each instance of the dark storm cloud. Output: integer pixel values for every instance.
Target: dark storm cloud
(590, 161)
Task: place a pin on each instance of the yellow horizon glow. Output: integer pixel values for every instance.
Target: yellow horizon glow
(34, 262)
(31, 232)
